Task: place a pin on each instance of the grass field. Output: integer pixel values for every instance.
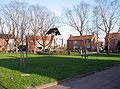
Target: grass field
(48, 68)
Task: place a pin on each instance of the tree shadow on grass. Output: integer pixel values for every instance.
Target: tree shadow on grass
(56, 67)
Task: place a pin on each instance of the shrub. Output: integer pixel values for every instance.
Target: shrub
(73, 50)
(89, 49)
(105, 51)
(110, 51)
(68, 52)
(42, 53)
(53, 53)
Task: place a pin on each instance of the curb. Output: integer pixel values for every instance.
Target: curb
(70, 79)
(46, 85)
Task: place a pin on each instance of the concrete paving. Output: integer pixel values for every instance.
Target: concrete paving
(107, 79)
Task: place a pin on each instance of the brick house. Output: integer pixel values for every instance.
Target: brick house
(30, 42)
(75, 42)
(114, 38)
(3, 39)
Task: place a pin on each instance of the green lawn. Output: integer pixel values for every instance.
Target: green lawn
(45, 68)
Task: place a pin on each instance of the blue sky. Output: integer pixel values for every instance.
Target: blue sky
(56, 6)
(53, 5)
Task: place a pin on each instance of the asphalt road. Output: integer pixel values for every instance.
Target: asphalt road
(107, 79)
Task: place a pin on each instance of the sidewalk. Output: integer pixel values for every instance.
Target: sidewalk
(107, 79)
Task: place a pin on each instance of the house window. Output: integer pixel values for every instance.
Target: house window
(75, 44)
(116, 42)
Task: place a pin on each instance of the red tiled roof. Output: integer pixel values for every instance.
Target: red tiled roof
(114, 35)
(4, 36)
(79, 37)
(31, 37)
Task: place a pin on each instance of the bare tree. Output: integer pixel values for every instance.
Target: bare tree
(96, 19)
(41, 20)
(36, 15)
(5, 30)
(78, 19)
(110, 17)
(118, 29)
(16, 13)
(49, 21)
(1, 25)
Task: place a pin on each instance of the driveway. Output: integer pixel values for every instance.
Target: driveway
(107, 79)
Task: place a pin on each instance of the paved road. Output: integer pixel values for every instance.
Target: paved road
(107, 79)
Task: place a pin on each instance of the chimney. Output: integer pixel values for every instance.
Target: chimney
(70, 35)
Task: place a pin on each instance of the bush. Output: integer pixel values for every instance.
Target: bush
(53, 53)
(110, 51)
(59, 53)
(105, 51)
(88, 49)
(83, 51)
(75, 50)
(68, 52)
(42, 53)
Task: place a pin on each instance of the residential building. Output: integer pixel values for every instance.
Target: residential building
(39, 42)
(76, 42)
(3, 40)
(114, 38)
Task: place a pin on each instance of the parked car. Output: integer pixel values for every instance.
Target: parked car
(22, 47)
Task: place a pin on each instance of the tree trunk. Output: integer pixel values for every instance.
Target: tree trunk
(16, 48)
(108, 46)
(97, 42)
(27, 53)
(34, 50)
(35, 46)
(31, 47)
(85, 49)
(97, 47)
(43, 46)
(6, 51)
